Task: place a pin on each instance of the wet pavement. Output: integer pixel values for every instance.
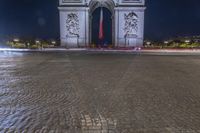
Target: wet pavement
(99, 93)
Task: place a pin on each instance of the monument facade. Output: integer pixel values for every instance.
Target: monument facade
(76, 22)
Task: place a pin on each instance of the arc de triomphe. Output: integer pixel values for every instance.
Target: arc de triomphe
(127, 21)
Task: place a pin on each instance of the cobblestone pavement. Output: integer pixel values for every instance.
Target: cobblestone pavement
(99, 93)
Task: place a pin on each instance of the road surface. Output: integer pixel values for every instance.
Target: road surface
(87, 92)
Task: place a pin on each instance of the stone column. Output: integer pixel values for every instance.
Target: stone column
(87, 27)
(116, 27)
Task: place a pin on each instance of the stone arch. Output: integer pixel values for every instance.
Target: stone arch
(126, 30)
(109, 4)
(93, 5)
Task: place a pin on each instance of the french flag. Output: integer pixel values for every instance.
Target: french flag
(101, 32)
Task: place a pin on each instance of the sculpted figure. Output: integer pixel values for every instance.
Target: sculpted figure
(72, 24)
(131, 23)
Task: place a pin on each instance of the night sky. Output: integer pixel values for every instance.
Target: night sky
(40, 19)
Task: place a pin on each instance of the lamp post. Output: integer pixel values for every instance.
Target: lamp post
(37, 42)
(28, 44)
(15, 40)
(166, 43)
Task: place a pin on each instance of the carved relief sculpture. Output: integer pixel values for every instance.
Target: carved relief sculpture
(131, 24)
(72, 24)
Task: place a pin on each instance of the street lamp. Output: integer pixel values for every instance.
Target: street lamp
(53, 42)
(166, 42)
(16, 40)
(187, 41)
(28, 44)
(148, 43)
(37, 41)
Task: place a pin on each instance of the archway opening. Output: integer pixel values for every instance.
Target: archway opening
(106, 41)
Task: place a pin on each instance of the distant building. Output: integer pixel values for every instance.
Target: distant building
(191, 39)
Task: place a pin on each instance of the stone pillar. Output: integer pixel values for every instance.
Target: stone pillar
(87, 27)
(116, 27)
(63, 33)
(73, 26)
(129, 26)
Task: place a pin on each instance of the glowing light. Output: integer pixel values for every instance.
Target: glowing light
(37, 41)
(166, 42)
(12, 49)
(187, 41)
(148, 43)
(16, 40)
(53, 42)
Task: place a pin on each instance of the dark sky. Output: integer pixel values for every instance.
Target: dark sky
(39, 18)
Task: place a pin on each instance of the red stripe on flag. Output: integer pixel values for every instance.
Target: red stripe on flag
(101, 32)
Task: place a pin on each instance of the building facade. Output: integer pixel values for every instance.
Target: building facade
(76, 22)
